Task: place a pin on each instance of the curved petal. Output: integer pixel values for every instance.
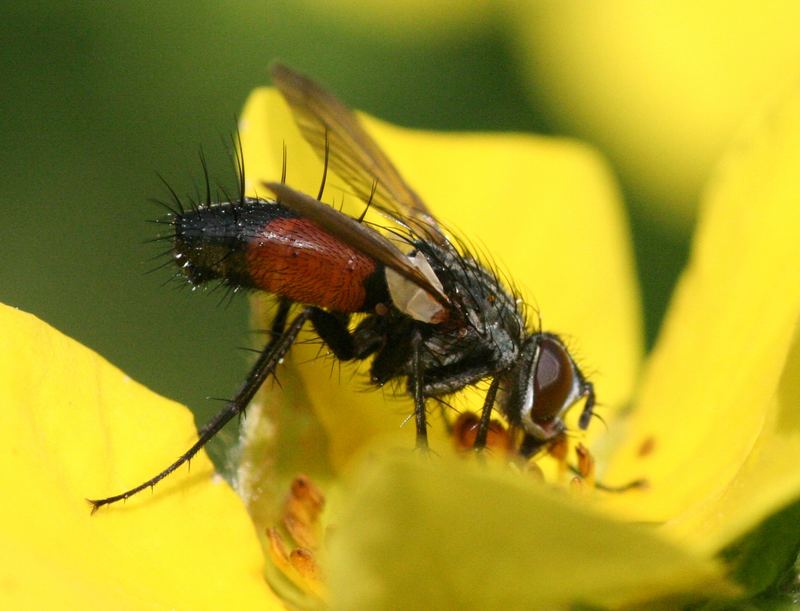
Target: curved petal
(718, 414)
(73, 426)
(547, 210)
(442, 535)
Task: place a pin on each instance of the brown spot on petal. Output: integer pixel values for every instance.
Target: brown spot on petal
(647, 446)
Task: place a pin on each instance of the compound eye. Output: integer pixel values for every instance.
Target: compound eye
(553, 381)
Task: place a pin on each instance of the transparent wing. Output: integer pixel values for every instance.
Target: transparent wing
(327, 123)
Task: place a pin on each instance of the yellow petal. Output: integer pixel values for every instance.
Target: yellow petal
(546, 210)
(71, 427)
(718, 407)
(662, 87)
(445, 536)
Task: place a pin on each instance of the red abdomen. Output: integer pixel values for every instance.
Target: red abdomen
(262, 245)
(293, 257)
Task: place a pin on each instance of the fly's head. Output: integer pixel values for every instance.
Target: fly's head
(542, 387)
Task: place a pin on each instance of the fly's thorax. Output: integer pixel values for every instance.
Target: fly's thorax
(489, 313)
(485, 329)
(542, 386)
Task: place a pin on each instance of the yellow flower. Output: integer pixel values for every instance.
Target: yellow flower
(660, 86)
(713, 430)
(73, 426)
(548, 211)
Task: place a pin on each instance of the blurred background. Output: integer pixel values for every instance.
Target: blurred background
(98, 97)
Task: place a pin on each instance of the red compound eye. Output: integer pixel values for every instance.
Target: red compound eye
(553, 381)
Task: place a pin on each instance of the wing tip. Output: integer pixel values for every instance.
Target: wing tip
(289, 80)
(278, 70)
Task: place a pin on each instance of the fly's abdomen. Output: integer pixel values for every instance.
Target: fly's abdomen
(265, 246)
(295, 258)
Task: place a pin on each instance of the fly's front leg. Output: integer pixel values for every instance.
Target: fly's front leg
(446, 380)
(486, 414)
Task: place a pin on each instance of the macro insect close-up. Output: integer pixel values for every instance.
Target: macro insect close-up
(436, 317)
(496, 309)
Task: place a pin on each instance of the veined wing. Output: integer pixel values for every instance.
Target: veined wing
(326, 123)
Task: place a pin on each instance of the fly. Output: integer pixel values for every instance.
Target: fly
(434, 316)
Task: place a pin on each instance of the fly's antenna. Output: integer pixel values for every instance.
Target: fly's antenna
(324, 166)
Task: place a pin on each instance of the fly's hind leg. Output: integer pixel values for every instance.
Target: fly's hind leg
(278, 325)
(265, 365)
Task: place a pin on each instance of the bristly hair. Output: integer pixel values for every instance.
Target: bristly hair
(474, 262)
(216, 200)
(471, 259)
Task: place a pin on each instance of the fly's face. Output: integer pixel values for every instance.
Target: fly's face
(545, 383)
